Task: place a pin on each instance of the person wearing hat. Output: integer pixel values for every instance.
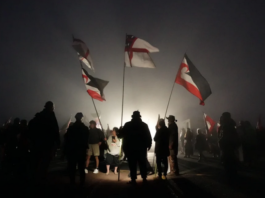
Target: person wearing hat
(96, 137)
(44, 137)
(173, 144)
(76, 145)
(136, 141)
(229, 143)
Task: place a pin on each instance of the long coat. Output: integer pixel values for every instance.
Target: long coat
(162, 141)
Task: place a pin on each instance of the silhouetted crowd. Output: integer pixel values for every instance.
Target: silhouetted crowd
(29, 147)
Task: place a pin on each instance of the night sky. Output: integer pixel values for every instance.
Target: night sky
(225, 40)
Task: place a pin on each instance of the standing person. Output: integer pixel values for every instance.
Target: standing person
(95, 139)
(76, 145)
(200, 144)
(188, 144)
(113, 154)
(228, 142)
(182, 140)
(136, 141)
(45, 138)
(173, 144)
(162, 147)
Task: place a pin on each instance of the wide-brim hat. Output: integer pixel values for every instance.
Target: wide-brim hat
(136, 114)
(171, 117)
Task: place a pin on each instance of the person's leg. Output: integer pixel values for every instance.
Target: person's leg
(81, 168)
(116, 164)
(165, 162)
(97, 162)
(71, 169)
(172, 162)
(176, 166)
(96, 152)
(116, 170)
(158, 164)
(132, 161)
(142, 163)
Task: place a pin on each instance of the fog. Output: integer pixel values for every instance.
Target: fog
(224, 40)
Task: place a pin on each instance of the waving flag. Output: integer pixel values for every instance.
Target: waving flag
(83, 53)
(209, 123)
(94, 86)
(137, 52)
(189, 77)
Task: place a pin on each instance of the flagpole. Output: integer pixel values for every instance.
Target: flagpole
(122, 94)
(169, 99)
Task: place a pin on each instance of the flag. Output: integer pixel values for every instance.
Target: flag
(94, 86)
(189, 77)
(209, 123)
(83, 53)
(137, 52)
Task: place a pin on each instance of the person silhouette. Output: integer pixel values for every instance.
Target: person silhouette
(136, 141)
(76, 145)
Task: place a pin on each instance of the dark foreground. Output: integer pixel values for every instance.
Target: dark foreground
(196, 180)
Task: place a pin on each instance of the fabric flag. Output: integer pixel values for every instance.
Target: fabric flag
(189, 77)
(209, 123)
(137, 52)
(83, 53)
(94, 86)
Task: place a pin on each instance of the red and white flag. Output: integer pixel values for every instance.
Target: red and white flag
(83, 53)
(209, 123)
(137, 52)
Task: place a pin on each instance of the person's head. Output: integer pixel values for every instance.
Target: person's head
(79, 116)
(16, 121)
(49, 106)
(114, 131)
(24, 123)
(171, 119)
(92, 124)
(199, 131)
(226, 117)
(161, 123)
(136, 115)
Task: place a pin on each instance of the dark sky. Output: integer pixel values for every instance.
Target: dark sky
(224, 39)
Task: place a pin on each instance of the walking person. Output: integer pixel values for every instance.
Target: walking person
(173, 145)
(188, 144)
(136, 141)
(76, 145)
(200, 144)
(112, 157)
(96, 137)
(162, 148)
(45, 138)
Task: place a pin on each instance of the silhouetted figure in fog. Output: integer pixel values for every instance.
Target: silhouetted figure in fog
(44, 137)
(249, 143)
(11, 150)
(213, 144)
(136, 141)
(200, 144)
(188, 143)
(96, 137)
(24, 147)
(162, 147)
(76, 145)
(229, 142)
(173, 145)
(182, 140)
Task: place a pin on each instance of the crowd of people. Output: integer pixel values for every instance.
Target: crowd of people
(30, 147)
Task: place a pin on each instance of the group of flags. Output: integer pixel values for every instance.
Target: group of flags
(137, 55)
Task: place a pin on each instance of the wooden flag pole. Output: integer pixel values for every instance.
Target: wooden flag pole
(169, 99)
(122, 94)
